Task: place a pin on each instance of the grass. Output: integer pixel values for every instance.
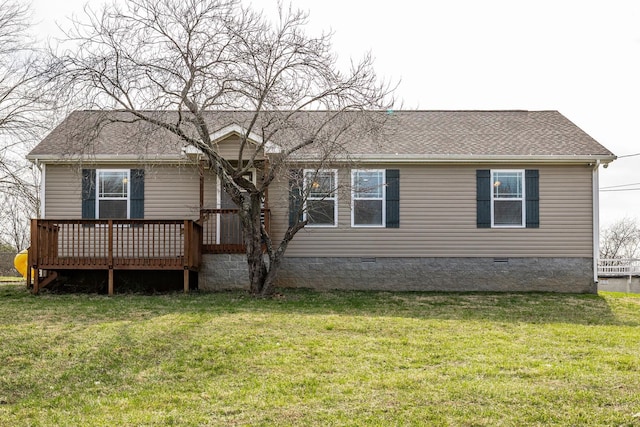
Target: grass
(319, 358)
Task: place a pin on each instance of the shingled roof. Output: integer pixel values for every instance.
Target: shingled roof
(425, 135)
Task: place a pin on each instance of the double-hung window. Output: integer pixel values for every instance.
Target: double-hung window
(112, 193)
(320, 186)
(112, 198)
(367, 198)
(507, 198)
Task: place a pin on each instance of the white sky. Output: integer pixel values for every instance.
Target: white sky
(580, 57)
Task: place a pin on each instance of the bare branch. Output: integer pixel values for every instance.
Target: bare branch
(26, 111)
(621, 240)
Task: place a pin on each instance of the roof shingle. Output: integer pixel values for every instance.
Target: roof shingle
(537, 134)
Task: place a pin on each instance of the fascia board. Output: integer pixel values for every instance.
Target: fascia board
(106, 159)
(400, 158)
(411, 158)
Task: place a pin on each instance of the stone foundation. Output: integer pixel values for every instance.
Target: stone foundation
(574, 275)
(223, 271)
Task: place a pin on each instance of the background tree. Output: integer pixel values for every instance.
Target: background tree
(25, 112)
(19, 201)
(147, 57)
(621, 239)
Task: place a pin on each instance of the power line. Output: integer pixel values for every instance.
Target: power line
(620, 189)
(621, 185)
(629, 155)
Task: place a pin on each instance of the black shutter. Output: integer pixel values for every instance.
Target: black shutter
(137, 193)
(393, 198)
(532, 189)
(295, 196)
(483, 198)
(88, 193)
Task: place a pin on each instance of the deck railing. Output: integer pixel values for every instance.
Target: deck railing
(222, 230)
(618, 267)
(134, 244)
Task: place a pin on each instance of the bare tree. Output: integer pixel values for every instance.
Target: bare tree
(14, 213)
(15, 72)
(151, 57)
(25, 112)
(24, 97)
(621, 239)
(19, 201)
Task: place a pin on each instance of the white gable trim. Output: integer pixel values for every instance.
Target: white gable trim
(239, 131)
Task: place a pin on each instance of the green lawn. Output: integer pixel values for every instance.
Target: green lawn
(319, 358)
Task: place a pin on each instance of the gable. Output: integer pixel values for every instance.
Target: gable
(229, 148)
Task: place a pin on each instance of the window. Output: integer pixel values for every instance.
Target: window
(112, 199)
(507, 198)
(321, 209)
(375, 199)
(112, 193)
(368, 198)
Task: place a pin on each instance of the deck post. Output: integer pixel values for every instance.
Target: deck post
(33, 258)
(28, 278)
(188, 237)
(110, 290)
(28, 275)
(36, 281)
(110, 243)
(110, 254)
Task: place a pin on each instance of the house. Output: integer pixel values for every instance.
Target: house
(460, 201)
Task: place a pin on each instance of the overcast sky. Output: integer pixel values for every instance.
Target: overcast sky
(580, 57)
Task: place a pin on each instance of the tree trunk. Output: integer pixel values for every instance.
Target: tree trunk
(258, 269)
(263, 269)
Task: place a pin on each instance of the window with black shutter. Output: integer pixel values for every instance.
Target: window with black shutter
(112, 193)
(507, 198)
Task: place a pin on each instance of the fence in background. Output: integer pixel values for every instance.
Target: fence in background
(619, 267)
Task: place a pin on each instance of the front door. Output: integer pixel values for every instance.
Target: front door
(229, 227)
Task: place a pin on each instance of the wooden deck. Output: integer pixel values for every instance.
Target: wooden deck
(131, 244)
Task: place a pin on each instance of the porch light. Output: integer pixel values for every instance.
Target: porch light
(315, 184)
(497, 184)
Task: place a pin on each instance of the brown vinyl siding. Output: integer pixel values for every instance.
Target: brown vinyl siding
(437, 212)
(171, 192)
(438, 218)
(229, 148)
(62, 191)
